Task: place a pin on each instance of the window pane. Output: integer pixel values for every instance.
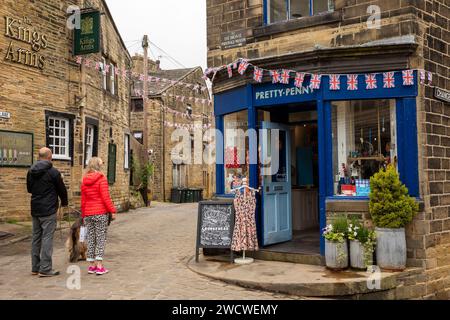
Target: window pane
(320, 6)
(364, 140)
(299, 8)
(278, 10)
(56, 123)
(56, 151)
(236, 149)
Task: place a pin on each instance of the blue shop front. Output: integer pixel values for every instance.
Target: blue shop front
(330, 143)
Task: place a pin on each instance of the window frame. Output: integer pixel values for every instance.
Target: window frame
(59, 156)
(104, 75)
(127, 153)
(89, 142)
(268, 18)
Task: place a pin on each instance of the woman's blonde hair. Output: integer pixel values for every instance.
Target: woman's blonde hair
(94, 164)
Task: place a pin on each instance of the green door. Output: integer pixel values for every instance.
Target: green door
(112, 153)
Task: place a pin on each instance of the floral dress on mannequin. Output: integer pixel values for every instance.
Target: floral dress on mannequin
(245, 236)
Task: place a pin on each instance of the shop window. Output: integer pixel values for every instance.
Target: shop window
(236, 149)
(179, 175)
(137, 105)
(127, 151)
(364, 141)
(139, 136)
(282, 10)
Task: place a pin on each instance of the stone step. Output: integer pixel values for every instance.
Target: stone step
(302, 258)
(298, 279)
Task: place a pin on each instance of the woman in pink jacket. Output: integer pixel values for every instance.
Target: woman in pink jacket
(95, 206)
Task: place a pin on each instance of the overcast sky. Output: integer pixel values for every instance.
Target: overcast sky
(176, 26)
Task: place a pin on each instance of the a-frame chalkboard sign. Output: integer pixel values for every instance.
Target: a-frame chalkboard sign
(215, 225)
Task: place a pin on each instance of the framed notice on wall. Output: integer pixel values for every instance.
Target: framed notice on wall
(86, 39)
(16, 149)
(215, 225)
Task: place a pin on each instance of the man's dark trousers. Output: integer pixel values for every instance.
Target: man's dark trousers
(42, 243)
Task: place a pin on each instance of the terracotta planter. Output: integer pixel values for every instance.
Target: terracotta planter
(336, 255)
(391, 248)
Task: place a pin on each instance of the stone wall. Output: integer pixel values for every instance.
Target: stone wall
(61, 86)
(424, 21)
(160, 135)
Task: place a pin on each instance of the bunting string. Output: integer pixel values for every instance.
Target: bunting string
(352, 80)
(129, 74)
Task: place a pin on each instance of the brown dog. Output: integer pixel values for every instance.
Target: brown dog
(76, 249)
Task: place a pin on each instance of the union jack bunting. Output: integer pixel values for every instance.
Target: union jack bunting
(243, 67)
(388, 80)
(299, 78)
(352, 82)
(408, 77)
(335, 82)
(315, 81)
(422, 76)
(87, 62)
(371, 81)
(285, 75)
(141, 77)
(107, 68)
(275, 76)
(230, 71)
(79, 60)
(430, 78)
(97, 66)
(258, 74)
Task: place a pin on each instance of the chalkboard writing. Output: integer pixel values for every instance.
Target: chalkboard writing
(215, 225)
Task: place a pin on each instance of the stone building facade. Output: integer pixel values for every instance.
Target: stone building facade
(176, 98)
(346, 36)
(70, 105)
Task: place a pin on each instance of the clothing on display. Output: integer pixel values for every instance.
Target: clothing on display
(245, 236)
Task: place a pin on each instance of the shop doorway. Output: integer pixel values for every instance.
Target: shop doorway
(300, 124)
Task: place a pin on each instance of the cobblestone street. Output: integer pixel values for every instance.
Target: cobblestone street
(146, 253)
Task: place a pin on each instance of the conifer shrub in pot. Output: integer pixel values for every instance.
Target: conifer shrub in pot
(362, 245)
(391, 209)
(336, 247)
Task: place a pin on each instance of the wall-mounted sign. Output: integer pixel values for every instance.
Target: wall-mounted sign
(87, 38)
(5, 115)
(16, 149)
(442, 94)
(22, 30)
(233, 39)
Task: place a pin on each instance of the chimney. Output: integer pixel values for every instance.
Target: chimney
(158, 63)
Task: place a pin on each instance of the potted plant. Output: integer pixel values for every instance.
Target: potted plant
(391, 208)
(336, 248)
(362, 245)
(145, 177)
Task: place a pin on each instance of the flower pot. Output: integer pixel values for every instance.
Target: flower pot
(336, 255)
(391, 248)
(358, 256)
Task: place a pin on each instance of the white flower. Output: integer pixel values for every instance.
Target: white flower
(351, 225)
(349, 229)
(356, 228)
(355, 234)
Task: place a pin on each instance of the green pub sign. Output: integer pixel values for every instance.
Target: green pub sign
(87, 37)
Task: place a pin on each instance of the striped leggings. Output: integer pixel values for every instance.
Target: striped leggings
(97, 227)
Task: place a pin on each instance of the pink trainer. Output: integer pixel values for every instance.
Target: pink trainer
(92, 269)
(101, 271)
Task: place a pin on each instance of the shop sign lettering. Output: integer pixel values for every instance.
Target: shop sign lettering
(22, 30)
(280, 93)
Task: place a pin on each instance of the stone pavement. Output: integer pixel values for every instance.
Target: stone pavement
(147, 253)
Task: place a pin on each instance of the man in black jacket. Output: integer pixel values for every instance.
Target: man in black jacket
(45, 184)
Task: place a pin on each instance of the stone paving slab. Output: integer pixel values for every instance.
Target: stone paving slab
(292, 278)
(147, 252)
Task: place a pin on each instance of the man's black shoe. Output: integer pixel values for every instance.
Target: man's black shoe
(51, 273)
